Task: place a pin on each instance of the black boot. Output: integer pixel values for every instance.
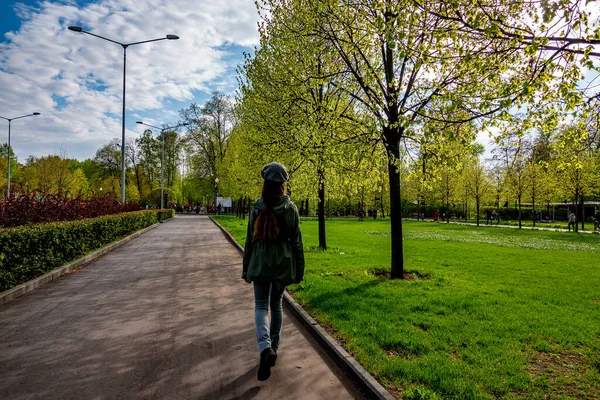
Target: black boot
(267, 360)
(275, 358)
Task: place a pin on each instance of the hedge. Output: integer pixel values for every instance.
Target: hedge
(23, 209)
(27, 252)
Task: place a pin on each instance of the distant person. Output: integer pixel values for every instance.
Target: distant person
(374, 213)
(572, 221)
(436, 216)
(273, 259)
(361, 213)
(422, 216)
(495, 215)
(596, 220)
(219, 206)
(488, 216)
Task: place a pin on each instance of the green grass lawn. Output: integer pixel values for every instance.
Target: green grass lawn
(493, 313)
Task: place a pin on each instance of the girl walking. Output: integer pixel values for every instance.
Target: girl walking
(273, 259)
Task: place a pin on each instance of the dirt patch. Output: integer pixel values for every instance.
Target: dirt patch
(564, 371)
(399, 353)
(407, 275)
(595, 301)
(553, 364)
(407, 351)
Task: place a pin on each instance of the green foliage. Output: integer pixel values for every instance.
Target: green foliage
(53, 175)
(30, 251)
(208, 131)
(4, 165)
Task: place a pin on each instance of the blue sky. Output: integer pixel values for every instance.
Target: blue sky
(75, 80)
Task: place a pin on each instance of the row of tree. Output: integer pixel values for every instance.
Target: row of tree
(353, 96)
(188, 168)
(537, 168)
(381, 101)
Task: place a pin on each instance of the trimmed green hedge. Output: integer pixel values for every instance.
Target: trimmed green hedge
(27, 252)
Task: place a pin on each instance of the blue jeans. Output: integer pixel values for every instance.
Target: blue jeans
(267, 334)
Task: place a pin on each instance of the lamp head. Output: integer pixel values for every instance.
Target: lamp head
(172, 37)
(36, 113)
(139, 122)
(76, 28)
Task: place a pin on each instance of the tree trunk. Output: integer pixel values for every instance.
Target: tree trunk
(477, 210)
(321, 211)
(137, 178)
(575, 228)
(582, 213)
(392, 136)
(519, 200)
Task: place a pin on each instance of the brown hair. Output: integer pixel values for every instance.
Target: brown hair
(265, 227)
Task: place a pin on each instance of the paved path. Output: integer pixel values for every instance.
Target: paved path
(165, 316)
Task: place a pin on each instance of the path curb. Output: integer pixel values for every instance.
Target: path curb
(33, 284)
(365, 382)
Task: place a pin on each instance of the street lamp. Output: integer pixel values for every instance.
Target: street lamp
(162, 162)
(125, 46)
(8, 151)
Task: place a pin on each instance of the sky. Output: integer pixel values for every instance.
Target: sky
(75, 80)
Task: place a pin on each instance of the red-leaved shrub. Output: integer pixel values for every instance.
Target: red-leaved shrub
(27, 209)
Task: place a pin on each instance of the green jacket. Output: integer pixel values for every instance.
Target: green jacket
(280, 260)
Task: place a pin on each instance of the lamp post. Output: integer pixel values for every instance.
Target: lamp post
(8, 150)
(182, 178)
(125, 46)
(162, 161)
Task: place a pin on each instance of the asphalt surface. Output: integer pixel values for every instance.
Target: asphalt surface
(165, 316)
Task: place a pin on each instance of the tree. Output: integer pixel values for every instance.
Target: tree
(133, 157)
(497, 179)
(476, 182)
(208, 130)
(289, 99)
(53, 175)
(513, 149)
(575, 165)
(4, 165)
(172, 147)
(108, 159)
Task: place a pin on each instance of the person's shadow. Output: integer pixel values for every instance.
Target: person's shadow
(248, 394)
(241, 381)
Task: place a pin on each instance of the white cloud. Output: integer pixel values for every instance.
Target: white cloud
(75, 80)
